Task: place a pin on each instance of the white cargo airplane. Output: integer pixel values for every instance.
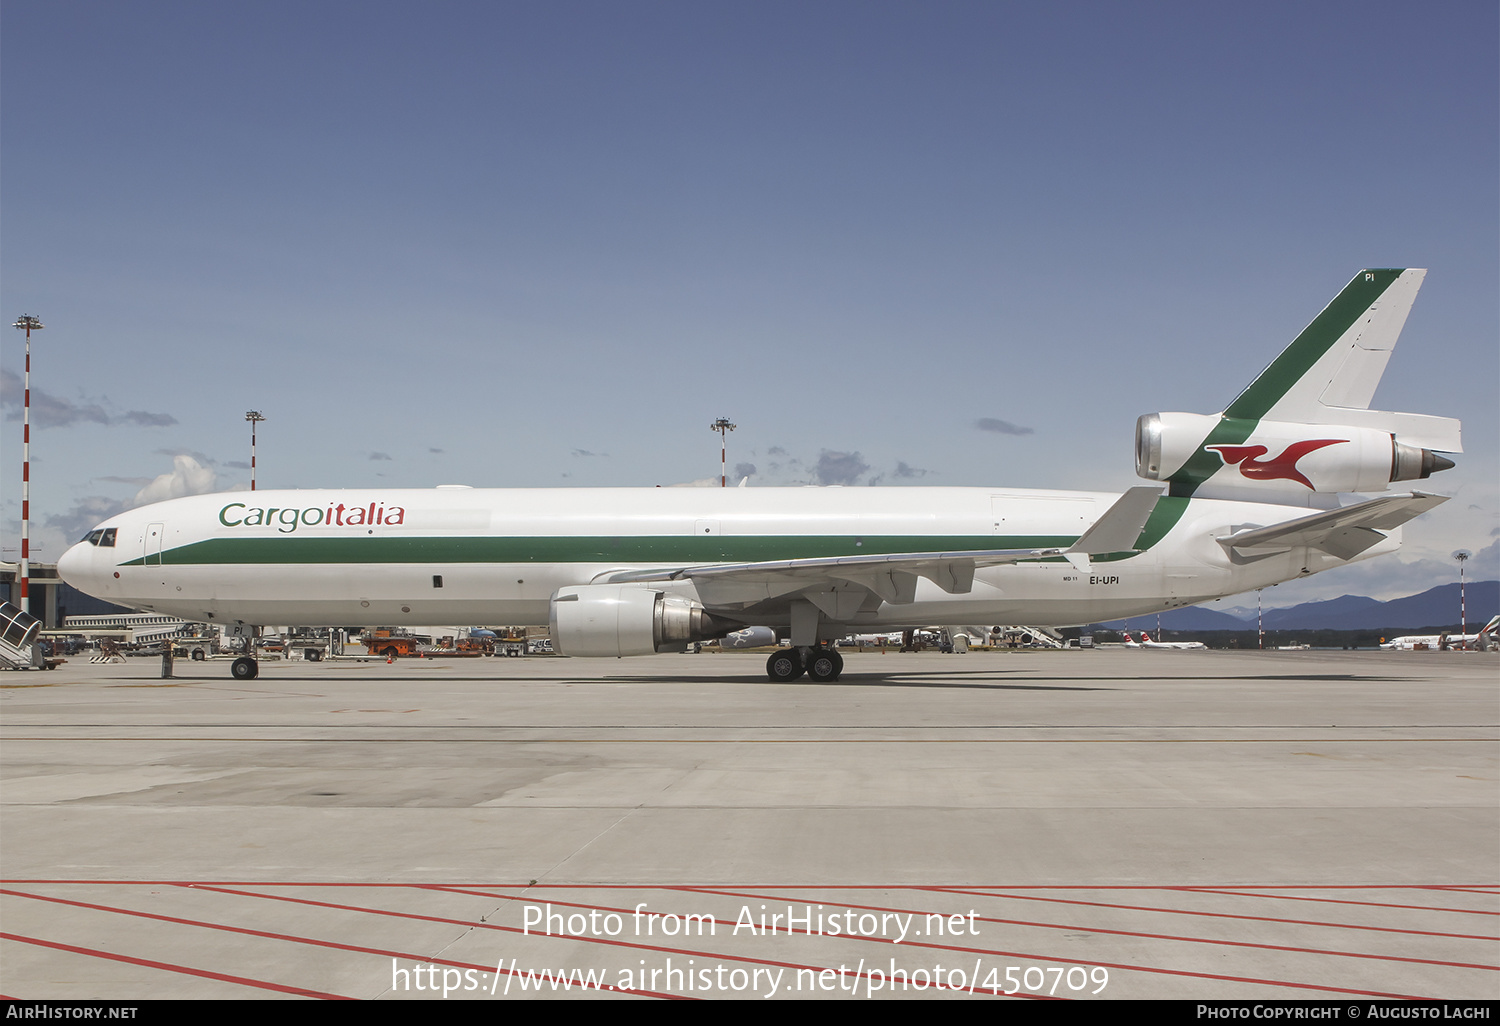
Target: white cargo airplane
(1252, 500)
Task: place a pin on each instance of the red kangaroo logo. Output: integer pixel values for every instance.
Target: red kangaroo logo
(1283, 467)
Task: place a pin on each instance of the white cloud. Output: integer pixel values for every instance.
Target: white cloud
(188, 477)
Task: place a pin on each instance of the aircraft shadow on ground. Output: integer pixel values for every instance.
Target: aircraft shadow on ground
(989, 680)
(876, 680)
(894, 679)
(986, 679)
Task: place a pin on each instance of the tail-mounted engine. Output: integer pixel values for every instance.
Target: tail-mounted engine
(1243, 456)
(628, 619)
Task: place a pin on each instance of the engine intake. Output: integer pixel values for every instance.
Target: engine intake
(628, 619)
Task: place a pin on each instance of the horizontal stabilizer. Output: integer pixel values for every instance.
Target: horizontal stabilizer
(1440, 434)
(1343, 533)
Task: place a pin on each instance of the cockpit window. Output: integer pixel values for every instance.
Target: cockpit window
(93, 537)
(107, 540)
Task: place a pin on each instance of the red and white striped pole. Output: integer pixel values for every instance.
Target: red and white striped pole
(29, 324)
(722, 426)
(1462, 556)
(254, 417)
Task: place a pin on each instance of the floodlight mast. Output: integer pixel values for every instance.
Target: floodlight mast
(26, 323)
(722, 426)
(254, 417)
(1462, 555)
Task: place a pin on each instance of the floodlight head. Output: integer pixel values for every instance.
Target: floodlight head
(28, 323)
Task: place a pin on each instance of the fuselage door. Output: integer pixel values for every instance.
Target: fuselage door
(152, 554)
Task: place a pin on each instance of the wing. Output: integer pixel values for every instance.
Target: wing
(1344, 533)
(843, 585)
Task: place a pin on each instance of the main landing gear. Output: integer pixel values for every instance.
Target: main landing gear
(245, 668)
(821, 663)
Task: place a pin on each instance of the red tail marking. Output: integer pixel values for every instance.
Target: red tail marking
(1279, 468)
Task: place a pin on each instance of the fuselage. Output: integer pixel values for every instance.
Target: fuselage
(497, 556)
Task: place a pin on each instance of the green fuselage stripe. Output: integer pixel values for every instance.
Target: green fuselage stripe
(623, 549)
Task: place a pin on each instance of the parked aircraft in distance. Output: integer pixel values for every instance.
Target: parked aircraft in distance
(1482, 639)
(883, 638)
(1146, 642)
(1252, 499)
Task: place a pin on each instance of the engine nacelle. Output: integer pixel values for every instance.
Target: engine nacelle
(628, 619)
(1272, 456)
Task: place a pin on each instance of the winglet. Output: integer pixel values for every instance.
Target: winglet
(1116, 531)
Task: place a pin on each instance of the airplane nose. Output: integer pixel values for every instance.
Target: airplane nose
(73, 565)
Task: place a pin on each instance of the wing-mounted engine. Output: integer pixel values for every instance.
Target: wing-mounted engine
(628, 619)
(1271, 458)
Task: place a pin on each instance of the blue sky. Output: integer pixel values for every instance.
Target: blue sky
(537, 244)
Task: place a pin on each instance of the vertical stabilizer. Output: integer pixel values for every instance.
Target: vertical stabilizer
(1337, 360)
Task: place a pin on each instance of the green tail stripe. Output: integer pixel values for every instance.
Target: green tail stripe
(1204, 463)
(1242, 417)
(1326, 329)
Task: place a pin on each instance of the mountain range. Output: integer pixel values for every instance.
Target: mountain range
(1434, 608)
